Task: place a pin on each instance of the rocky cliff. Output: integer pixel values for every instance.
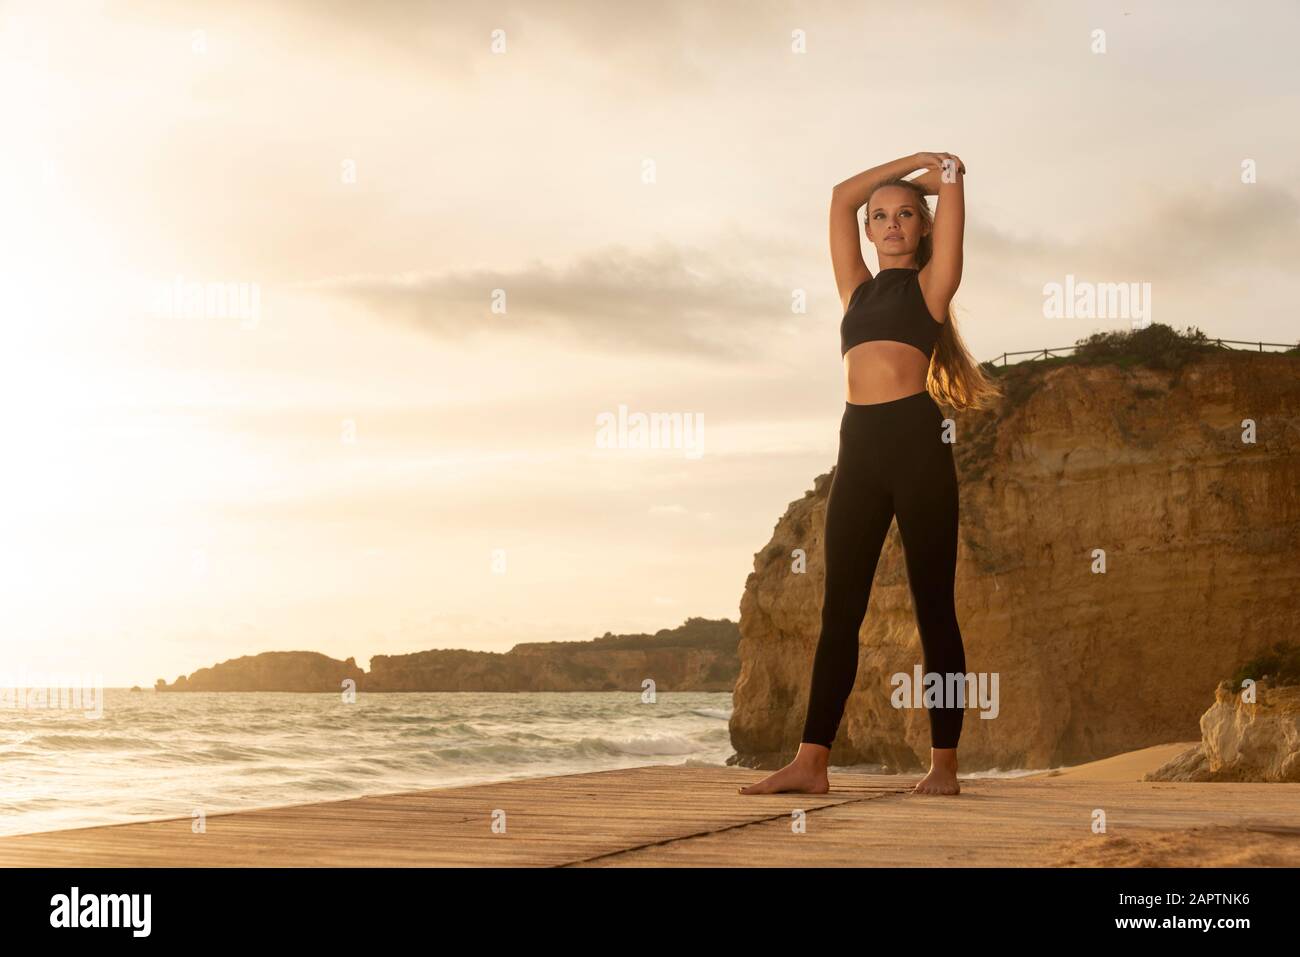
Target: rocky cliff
(1243, 739)
(1126, 536)
(699, 655)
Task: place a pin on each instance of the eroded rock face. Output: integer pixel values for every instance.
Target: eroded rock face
(1200, 532)
(1243, 740)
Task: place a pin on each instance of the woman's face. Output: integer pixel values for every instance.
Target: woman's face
(894, 224)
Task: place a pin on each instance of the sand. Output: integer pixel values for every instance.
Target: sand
(1130, 766)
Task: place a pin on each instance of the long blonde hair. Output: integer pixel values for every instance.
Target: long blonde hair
(955, 377)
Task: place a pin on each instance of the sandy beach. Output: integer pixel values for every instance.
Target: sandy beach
(664, 815)
(1130, 766)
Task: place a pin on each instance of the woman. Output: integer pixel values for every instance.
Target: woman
(901, 351)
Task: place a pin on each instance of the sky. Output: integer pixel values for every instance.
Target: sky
(456, 238)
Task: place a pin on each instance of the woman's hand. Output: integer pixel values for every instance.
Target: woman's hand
(936, 160)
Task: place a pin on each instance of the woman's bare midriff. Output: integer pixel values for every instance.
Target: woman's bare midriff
(883, 370)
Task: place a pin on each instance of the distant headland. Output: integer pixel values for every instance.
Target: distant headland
(699, 655)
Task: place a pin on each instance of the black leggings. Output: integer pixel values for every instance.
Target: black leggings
(892, 461)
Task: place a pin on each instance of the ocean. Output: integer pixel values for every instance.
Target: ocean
(150, 755)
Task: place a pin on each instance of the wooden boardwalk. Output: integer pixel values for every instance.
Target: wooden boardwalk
(664, 815)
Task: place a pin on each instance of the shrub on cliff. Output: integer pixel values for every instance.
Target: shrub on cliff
(1157, 346)
(1280, 665)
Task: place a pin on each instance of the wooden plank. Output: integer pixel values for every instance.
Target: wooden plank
(665, 815)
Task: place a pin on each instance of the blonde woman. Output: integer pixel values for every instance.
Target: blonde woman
(901, 352)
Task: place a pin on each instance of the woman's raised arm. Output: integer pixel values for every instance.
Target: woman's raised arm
(846, 243)
(941, 276)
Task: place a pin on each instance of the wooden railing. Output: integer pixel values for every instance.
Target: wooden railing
(1221, 343)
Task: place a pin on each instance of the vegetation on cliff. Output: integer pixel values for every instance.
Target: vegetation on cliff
(1280, 665)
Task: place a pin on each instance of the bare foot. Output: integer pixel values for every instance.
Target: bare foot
(942, 778)
(805, 774)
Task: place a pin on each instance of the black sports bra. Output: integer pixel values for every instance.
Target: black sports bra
(890, 305)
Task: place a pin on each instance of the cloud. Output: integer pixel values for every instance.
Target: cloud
(1189, 237)
(1232, 228)
(643, 50)
(671, 299)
